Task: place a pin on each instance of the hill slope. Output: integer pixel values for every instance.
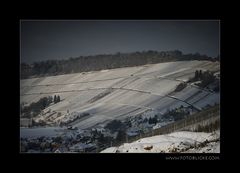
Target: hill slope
(178, 142)
(118, 93)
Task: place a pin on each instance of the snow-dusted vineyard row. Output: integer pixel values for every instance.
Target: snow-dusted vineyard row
(117, 93)
(180, 142)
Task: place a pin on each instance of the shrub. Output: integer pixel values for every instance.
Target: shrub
(115, 125)
(180, 87)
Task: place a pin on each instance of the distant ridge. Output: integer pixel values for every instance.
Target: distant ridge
(102, 62)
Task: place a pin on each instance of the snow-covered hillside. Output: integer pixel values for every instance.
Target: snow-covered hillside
(177, 142)
(118, 93)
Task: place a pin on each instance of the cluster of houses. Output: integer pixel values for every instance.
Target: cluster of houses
(71, 141)
(77, 140)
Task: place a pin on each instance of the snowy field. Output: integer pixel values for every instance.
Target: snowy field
(38, 132)
(180, 142)
(127, 91)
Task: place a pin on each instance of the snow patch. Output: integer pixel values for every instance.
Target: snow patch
(183, 141)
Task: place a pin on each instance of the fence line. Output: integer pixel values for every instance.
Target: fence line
(210, 114)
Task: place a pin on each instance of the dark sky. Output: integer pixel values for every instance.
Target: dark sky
(42, 40)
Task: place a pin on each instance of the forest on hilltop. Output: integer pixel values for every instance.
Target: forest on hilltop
(101, 62)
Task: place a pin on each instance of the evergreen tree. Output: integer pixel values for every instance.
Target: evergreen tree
(121, 136)
(115, 125)
(196, 75)
(58, 98)
(200, 74)
(50, 99)
(44, 102)
(55, 99)
(152, 120)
